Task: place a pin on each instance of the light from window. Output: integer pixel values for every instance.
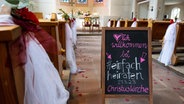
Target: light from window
(82, 1)
(98, 1)
(66, 1)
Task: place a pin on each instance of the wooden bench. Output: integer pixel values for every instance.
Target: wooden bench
(52, 28)
(178, 54)
(57, 30)
(122, 23)
(142, 23)
(11, 79)
(62, 37)
(113, 23)
(128, 23)
(158, 30)
(39, 15)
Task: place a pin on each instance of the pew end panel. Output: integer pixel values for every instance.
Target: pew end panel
(128, 23)
(57, 30)
(113, 23)
(52, 28)
(62, 39)
(11, 78)
(158, 29)
(142, 23)
(39, 15)
(178, 53)
(122, 23)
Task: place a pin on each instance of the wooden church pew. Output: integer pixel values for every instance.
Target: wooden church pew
(122, 23)
(113, 23)
(52, 28)
(128, 23)
(39, 15)
(178, 54)
(57, 30)
(11, 78)
(158, 30)
(142, 23)
(62, 37)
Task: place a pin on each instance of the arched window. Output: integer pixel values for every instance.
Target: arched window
(175, 13)
(82, 1)
(98, 1)
(66, 1)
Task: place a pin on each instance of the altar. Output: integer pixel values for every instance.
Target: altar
(87, 21)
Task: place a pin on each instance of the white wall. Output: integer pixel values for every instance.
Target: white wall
(121, 8)
(156, 9)
(143, 9)
(45, 6)
(152, 14)
(160, 9)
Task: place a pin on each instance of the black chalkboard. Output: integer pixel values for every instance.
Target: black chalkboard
(126, 54)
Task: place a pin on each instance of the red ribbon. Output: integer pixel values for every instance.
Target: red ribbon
(29, 25)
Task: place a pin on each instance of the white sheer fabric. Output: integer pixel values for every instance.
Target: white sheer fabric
(118, 23)
(109, 23)
(6, 20)
(74, 32)
(134, 24)
(168, 45)
(70, 54)
(42, 81)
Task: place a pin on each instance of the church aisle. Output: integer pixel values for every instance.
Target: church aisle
(168, 87)
(86, 86)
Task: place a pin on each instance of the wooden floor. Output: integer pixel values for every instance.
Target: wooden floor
(85, 88)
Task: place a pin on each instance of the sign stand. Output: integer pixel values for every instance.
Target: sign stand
(126, 63)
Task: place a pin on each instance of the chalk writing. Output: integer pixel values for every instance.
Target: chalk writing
(121, 37)
(125, 54)
(128, 89)
(108, 55)
(123, 70)
(142, 58)
(126, 65)
(122, 44)
(130, 81)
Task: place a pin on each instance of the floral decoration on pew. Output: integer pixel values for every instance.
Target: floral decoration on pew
(66, 16)
(25, 18)
(30, 25)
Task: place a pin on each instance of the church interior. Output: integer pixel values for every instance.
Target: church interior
(91, 52)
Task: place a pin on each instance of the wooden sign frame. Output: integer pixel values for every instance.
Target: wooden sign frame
(103, 65)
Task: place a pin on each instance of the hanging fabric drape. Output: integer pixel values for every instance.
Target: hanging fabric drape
(168, 45)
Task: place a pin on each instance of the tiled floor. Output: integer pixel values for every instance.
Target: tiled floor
(85, 88)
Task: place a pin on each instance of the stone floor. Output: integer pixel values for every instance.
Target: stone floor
(85, 88)
(179, 69)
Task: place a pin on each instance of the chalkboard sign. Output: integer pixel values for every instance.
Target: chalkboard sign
(126, 61)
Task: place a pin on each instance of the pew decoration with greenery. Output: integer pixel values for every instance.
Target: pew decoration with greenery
(65, 15)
